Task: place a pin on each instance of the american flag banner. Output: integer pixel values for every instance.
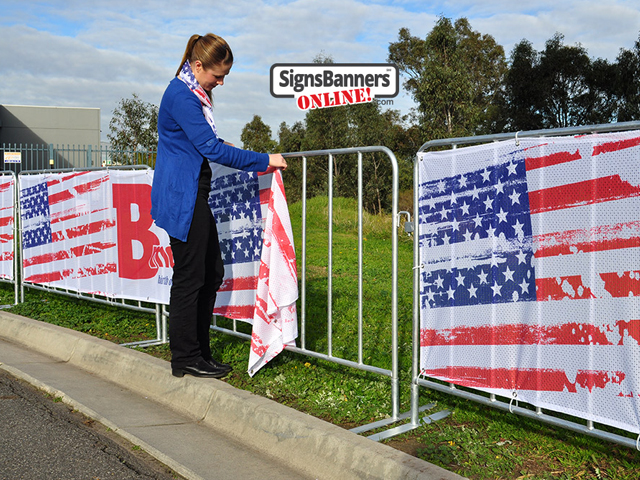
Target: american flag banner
(91, 232)
(530, 272)
(7, 209)
(256, 241)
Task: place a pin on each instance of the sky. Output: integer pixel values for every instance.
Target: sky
(89, 53)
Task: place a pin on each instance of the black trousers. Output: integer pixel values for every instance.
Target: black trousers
(197, 275)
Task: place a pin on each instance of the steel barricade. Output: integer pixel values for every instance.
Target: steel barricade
(161, 335)
(302, 262)
(452, 389)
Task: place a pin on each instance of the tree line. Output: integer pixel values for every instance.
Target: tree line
(462, 84)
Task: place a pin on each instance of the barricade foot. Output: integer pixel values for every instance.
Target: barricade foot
(392, 432)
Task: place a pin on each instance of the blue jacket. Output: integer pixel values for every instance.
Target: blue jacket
(184, 140)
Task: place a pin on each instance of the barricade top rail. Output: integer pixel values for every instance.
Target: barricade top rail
(602, 128)
(339, 151)
(86, 169)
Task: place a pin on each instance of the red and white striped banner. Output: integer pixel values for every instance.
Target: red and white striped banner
(256, 241)
(530, 278)
(7, 212)
(92, 232)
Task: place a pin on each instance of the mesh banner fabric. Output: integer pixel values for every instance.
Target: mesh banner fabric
(256, 241)
(530, 272)
(92, 232)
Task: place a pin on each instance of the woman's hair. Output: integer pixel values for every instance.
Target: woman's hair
(210, 49)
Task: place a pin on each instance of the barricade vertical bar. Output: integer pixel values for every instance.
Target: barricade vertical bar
(19, 214)
(159, 333)
(451, 385)
(360, 269)
(330, 263)
(13, 276)
(15, 238)
(303, 272)
(395, 387)
(415, 348)
(165, 315)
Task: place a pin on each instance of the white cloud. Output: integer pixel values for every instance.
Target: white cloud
(95, 53)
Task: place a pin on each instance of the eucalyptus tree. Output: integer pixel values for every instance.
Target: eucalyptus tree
(454, 75)
(627, 84)
(256, 136)
(560, 86)
(133, 131)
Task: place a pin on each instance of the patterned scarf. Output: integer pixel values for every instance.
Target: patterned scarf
(187, 76)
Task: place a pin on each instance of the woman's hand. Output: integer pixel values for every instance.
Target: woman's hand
(277, 160)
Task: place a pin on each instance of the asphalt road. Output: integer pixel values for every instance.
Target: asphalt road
(42, 439)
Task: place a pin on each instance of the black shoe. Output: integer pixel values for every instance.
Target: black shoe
(200, 369)
(220, 365)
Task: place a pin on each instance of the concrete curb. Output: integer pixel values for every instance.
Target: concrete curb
(305, 443)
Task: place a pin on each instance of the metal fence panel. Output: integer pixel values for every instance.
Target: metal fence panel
(302, 263)
(35, 159)
(47, 158)
(492, 400)
(39, 157)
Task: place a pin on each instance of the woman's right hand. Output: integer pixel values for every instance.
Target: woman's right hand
(277, 160)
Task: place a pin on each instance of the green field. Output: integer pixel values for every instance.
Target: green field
(475, 441)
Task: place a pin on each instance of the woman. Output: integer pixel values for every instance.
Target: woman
(181, 184)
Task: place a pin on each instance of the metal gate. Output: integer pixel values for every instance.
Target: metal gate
(18, 157)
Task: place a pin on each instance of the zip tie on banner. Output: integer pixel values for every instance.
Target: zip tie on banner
(638, 442)
(517, 141)
(419, 266)
(514, 396)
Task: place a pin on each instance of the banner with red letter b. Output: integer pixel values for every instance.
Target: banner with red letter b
(91, 232)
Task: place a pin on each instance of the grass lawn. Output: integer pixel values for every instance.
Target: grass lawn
(475, 441)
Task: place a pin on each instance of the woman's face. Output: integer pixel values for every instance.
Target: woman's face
(210, 78)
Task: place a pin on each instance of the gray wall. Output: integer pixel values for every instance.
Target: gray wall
(49, 125)
(30, 130)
